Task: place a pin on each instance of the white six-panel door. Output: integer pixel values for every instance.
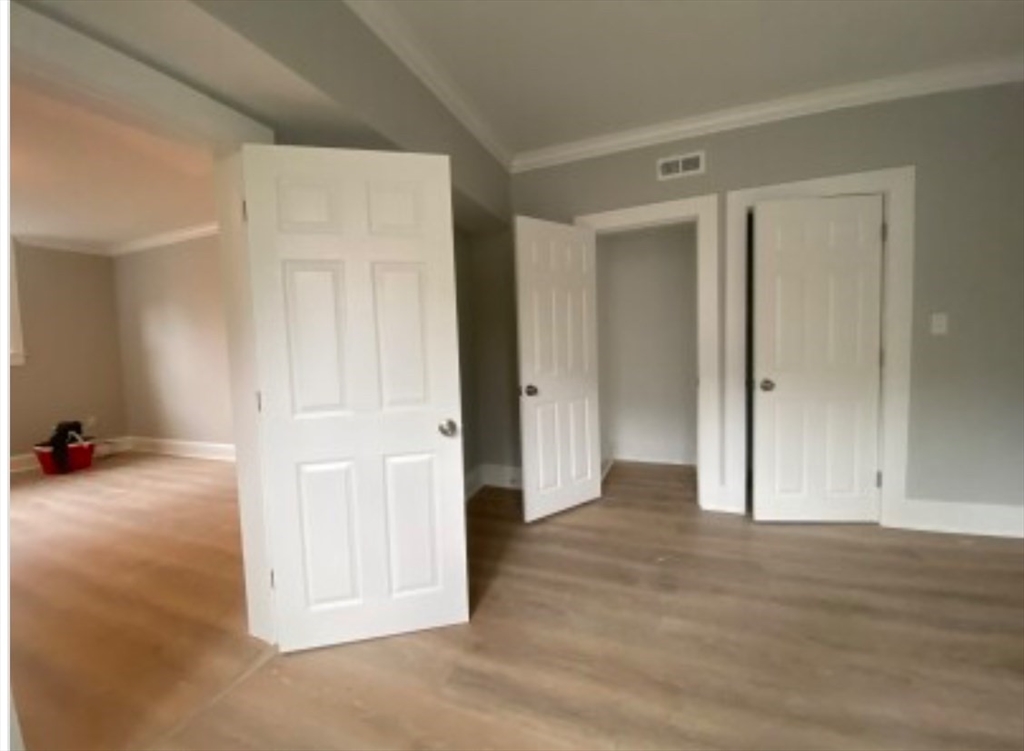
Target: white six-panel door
(354, 305)
(556, 291)
(817, 350)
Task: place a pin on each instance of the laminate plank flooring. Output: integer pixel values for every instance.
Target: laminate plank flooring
(636, 621)
(127, 600)
(640, 622)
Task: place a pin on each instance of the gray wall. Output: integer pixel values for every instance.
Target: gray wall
(966, 405)
(492, 276)
(72, 369)
(173, 343)
(326, 44)
(466, 302)
(647, 344)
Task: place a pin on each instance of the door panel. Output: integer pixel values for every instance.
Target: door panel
(557, 346)
(817, 339)
(351, 259)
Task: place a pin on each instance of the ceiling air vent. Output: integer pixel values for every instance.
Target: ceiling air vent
(683, 165)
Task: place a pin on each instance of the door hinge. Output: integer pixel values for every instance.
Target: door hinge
(878, 479)
(245, 211)
(272, 583)
(885, 232)
(259, 401)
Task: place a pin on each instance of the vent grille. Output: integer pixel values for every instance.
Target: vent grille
(682, 165)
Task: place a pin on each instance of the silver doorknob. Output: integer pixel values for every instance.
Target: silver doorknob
(448, 428)
(767, 385)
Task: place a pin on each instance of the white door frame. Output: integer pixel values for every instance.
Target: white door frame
(94, 73)
(711, 479)
(897, 188)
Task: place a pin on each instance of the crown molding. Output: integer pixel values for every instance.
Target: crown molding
(164, 238)
(975, 75)
(56, 243)
(150, 242)
(403, 42)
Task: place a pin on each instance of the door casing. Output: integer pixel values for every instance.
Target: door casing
(703, 211)
(896, 186)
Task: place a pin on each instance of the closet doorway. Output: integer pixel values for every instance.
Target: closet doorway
(647, 345)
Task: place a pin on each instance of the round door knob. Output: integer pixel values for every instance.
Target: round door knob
(448, 428)
(532, 390)
(767, 385)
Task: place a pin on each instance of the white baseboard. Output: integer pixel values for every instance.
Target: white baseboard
(501, 476)
(606, 467)
(111, 446)
(951, 517)
(473, 484)
(492, 475)
(222, 452)
(23, 463)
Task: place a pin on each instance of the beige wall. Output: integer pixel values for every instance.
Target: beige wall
(647, 344)
(966, 439)
(173, 343)
(72, 369)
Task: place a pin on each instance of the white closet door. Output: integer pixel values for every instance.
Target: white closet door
(351, 258)
(556, 288)
(817, 350)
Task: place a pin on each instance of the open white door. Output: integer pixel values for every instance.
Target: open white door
(353, 300)
(817, 358)
(558, 398)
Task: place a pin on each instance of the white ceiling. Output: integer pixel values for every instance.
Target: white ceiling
(83, 180)
(539, 73)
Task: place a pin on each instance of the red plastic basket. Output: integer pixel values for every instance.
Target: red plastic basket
(79, 457)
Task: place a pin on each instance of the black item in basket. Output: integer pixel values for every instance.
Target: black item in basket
(63, 434)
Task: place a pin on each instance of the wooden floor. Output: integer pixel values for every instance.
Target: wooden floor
(634, 622)
(127, 603)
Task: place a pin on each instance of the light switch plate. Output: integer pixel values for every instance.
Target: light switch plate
(939, 324)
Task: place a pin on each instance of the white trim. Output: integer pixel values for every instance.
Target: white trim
(711, 478)
(222, 452)
(500, 476)
(606, 467)
(472, 483)
(23, 463)
(992, 519)
(55, 243)
(493, 476)
(111, 446)
(897, 188)
(54, 52)
(149, 242)
(402, 40)
(164, 238)
(953, 78)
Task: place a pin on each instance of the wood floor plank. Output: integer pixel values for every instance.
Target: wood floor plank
(634, 622)
(127, 602)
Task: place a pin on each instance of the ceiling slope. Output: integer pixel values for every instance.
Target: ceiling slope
(558, 81)
(310, 69)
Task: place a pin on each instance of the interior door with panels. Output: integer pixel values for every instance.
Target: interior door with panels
(351, 258)
(556, 293)
(817, 358)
